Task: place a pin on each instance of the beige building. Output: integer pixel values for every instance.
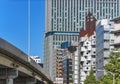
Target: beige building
(57, 66)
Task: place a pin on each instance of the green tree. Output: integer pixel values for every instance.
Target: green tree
(114, 67)
(107, 79)
(90, 79)
(114, 62)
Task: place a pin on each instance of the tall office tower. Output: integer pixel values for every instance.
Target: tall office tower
(64, 18)
(62, 24)
(100, 9)
(104, 38)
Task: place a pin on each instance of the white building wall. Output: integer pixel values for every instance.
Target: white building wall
(87, 57)
(76, 68)
(117, 34)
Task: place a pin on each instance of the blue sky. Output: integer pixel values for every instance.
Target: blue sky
(14, 28)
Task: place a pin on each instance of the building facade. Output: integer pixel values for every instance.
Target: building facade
(108, 35)
(104, 39)
(67, 71)
(57, 66)
(116, 32)
(87, 47)
(36, 59)
(87, 56)
(70, 64)
(64, 18)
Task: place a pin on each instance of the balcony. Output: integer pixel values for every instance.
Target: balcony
(117, 28)
(106, 36)
(59, 68)
(106, 45)
(106, 53)
(117, 40)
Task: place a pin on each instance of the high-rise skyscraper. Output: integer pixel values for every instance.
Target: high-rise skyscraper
(64, 18)
(62, 24)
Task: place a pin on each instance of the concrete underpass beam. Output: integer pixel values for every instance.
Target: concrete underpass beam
(40, 82)
(2, 81)
(25, 80)
(9, 81)
(30, 80)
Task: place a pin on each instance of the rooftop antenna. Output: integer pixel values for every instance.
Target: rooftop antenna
(28, 30)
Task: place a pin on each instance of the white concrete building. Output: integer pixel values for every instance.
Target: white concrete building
(87, 53)
(107, 38)
(75, 61)
(104, 39)
(58, 80)
(36, 59)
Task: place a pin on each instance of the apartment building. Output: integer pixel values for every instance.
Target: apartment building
(57, 66)
(104, 39)
(116, 32)
(87, 56)
(70, 62)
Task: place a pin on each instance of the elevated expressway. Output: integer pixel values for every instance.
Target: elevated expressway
(18, 68)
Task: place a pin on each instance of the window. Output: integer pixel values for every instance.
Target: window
(86, 57)
(85, 72)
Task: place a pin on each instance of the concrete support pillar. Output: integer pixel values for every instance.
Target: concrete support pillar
(20, 80)
(9, 81)
(7, 75)
(30, 80)
(2, 81)
(40, 82)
